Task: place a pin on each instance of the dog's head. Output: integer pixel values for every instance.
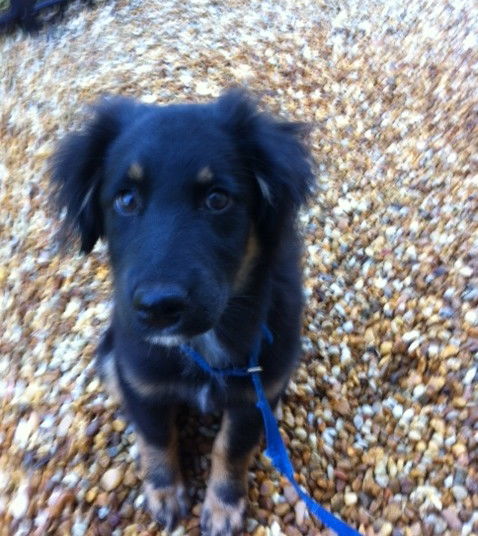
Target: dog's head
(187, 198)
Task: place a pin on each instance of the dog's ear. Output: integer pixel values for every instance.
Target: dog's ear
(274, 151)
(77, 170)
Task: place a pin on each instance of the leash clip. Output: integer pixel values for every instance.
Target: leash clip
(251, 370)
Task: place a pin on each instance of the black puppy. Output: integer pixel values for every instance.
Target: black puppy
(197, 203)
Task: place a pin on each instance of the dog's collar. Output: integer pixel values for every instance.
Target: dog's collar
(275, 448)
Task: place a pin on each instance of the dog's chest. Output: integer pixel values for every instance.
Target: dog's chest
(169, 376)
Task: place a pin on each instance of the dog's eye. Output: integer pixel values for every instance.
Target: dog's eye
(127, 202)
(217, 200)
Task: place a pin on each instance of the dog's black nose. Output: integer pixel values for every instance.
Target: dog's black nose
(160, 306)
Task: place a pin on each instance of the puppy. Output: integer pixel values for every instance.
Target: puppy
(198, 205)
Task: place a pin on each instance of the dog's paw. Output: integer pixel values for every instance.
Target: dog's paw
(219, 518)
(167, 504)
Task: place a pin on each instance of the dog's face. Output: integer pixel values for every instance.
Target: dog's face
(187, 197)
(178, 210)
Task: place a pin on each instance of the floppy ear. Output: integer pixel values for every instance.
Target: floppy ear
(274, 152)
(77, 170)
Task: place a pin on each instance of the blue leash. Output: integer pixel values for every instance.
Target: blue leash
(275, 448)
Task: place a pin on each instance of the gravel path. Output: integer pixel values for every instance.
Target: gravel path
(382, 416)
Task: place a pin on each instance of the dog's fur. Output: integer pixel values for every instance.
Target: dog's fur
(197, 203)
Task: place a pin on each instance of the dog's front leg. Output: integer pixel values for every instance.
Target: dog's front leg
(158, 457)
(225, 503)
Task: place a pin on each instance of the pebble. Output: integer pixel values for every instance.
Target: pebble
(350, 498)
(300, 510)
(103, 512)
(386, 529)
(386, 347)
(65, 425)
(290, 495)
(450, 515)
(267, 488)
(449, 351)
(91, 494)
(410, 336)
(459, 492)
(19, 503)
(471, 317)
(58, 501)
(111, 479)
(393, 512)
(79, 528)
(92, 428)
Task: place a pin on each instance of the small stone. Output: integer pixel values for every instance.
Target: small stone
(300, 509)
(290, 495)
(79, 528)
(410, 336)
(386, 347)
(450, 515)
(111, 479)
(392, 512)
(64, 426)
(19, 504)
(386, 529)
(91, 494)
(470, 376)
(458, 449)
(118, 425)
(449, 351)
(471, 317)
(345, 355)
(459, 492)
(58, 502)
(350, 498)
(267, 488)
(466, 271)
(419, 391)
(436, 384)
(436, 523)
(459, 402)
(92, 428)
(281, 509)
(103, 512)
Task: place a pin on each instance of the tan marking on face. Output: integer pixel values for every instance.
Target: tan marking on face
(135, 172)
(247, 263)
(205, 175)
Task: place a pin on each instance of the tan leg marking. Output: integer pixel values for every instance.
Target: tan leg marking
(221, 518)
(163, 486)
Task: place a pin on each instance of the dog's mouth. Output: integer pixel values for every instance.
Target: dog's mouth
(166, 340)
(183, 332)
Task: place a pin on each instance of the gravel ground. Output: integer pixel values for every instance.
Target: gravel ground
(381, 418)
